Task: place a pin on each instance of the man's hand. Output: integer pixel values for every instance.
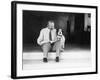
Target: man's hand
(43, 42)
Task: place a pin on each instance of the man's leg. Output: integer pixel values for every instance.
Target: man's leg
(57, 47)
(45, 47)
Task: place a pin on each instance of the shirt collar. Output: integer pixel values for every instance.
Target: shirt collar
(50, 29)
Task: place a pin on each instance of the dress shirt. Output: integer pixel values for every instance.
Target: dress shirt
(44, 36)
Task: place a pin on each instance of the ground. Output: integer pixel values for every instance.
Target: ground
(71, 58)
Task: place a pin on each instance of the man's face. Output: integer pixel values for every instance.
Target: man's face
(51, 25)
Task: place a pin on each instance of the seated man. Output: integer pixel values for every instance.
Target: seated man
(48, 39)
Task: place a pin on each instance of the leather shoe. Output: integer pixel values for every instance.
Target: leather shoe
(45, 60)
(57, 59)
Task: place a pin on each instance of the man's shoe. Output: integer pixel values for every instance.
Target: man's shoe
(45, 60)
(57, 59)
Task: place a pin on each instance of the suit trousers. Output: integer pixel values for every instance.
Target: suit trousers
(46, 47)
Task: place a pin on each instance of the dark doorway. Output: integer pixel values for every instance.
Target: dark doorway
(79, 22)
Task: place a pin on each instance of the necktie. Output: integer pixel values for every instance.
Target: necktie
(50, 35)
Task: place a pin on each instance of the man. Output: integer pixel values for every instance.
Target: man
(48, 39)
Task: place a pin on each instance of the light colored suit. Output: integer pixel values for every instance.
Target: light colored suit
(44, 41)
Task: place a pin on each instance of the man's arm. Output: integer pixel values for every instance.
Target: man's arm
(40, 38)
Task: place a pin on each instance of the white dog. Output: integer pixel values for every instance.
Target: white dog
(61, 37)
